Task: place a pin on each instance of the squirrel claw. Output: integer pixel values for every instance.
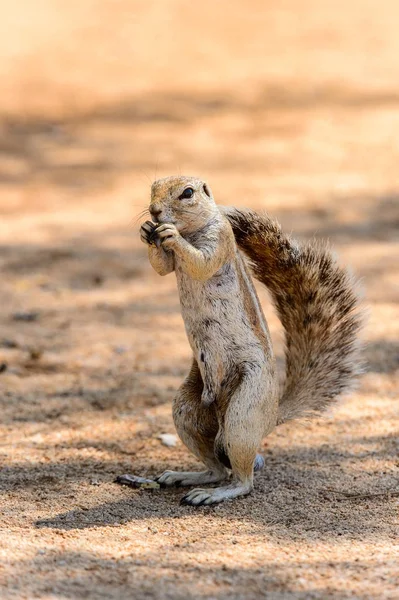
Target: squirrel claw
(201, 497)
(197, 497)
(160, 483)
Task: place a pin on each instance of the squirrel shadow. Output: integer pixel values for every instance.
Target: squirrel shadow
(296, 496)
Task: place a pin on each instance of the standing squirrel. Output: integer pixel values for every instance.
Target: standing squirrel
(230, 400)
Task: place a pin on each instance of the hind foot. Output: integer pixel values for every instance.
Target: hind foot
(199, 497)
(179, 478)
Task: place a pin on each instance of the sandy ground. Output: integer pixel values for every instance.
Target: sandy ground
(293, 108)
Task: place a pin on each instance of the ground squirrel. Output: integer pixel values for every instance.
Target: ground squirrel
(230, 400)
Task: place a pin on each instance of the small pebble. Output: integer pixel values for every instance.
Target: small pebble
(3, 367)
(168, 439)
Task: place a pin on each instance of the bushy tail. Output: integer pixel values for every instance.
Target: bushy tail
(318, 308)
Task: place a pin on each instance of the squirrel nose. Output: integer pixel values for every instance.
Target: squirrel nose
(155, 212)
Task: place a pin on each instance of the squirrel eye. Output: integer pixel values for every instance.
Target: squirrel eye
(188, 193)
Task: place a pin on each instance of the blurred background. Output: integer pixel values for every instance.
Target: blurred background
(295, 100)
(290, 106)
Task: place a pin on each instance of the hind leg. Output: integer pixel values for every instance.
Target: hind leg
(250, 415)
(197, 427)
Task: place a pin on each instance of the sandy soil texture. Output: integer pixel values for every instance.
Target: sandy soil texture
(289, 106)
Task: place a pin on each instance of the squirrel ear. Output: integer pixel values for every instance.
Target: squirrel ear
(206, 190)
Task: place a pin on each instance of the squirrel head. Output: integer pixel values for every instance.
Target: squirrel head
(187, 202)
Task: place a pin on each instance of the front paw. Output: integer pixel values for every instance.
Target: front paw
(148, 233)
(168, 235)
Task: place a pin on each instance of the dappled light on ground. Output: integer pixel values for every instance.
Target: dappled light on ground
(292, 110)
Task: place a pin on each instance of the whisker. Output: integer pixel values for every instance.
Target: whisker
(146, 176)
(144, 211)
(141, 215)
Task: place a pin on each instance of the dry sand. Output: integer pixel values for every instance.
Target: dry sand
(293, 108)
